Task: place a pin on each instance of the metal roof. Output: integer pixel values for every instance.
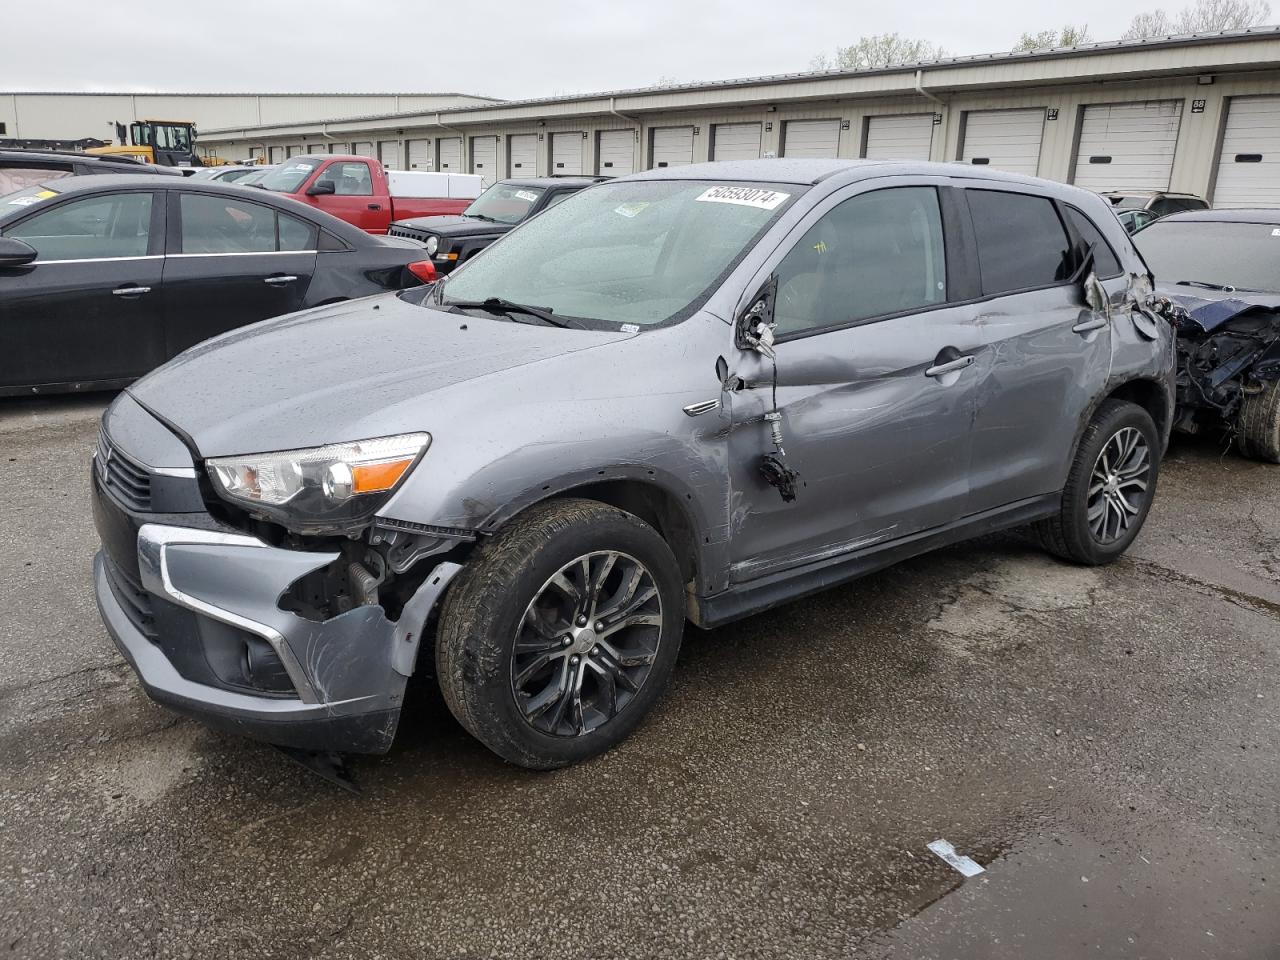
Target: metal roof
(246, 93)
(809, 76)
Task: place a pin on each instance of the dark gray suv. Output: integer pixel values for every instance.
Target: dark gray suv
(692, 393)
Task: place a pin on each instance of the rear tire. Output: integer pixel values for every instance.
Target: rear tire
(541, 653)
(1109, 488)
(1258, 425)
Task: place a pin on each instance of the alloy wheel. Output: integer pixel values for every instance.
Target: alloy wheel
(1118, 485)
(586, 643)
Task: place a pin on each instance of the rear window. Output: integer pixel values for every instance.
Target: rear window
(19, 178)
(1105, 262)
(1022, 244)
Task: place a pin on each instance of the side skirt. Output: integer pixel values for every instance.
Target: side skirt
(766, 592)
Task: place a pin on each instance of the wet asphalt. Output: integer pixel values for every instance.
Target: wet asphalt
(1105, 742)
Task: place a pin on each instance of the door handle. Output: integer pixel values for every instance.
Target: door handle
(1095, 322)
(279, 281)
(375, 206)
(130, 290)
(942, 369)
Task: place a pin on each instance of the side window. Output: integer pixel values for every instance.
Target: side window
(351, 179)
(212, 224)
(115, 225)
(1021, 242)
(558, 198)
(1105, 263)
(296, 234)
(876, 254)
(224, 225)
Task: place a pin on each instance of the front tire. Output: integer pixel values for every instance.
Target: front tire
(561, 633)
(1258, 426)
(1109, 488)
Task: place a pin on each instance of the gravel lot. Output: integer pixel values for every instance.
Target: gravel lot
(1105, 742)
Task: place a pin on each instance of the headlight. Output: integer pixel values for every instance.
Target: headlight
(321, 487)
(433, 244)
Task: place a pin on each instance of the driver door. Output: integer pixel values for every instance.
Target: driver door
(232, 262)
(877, 384)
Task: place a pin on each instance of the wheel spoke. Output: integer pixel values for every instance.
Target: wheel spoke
(557, 646)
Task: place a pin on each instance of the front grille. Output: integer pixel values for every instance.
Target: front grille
(133, 600)
(128, 480)
(410, 232)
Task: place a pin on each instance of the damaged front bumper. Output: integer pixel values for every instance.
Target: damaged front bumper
(196, 613)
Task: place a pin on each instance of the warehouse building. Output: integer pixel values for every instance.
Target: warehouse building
(76, 116)
(1198, 113)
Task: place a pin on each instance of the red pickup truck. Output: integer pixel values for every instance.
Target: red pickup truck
(356, 189)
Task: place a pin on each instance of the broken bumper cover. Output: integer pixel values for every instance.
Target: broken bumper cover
(202, 598)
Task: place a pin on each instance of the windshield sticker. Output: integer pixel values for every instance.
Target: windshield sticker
(744, 196)
(528, 195)
(629, 210)
(630, 328)
(1276, 232)
(25, 201)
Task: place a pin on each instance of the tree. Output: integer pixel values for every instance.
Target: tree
(1068, 36)
(1204, 16)
(881, 50)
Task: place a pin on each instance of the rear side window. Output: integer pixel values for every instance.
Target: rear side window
(1021, 242)
(1105, 263)
(212, 224)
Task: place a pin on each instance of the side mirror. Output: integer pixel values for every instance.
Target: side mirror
(322, 188)
(15, 252)
(754, 327)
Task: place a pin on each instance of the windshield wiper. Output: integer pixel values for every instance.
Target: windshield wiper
(499, 305)
(479, 216)
(1208, 285)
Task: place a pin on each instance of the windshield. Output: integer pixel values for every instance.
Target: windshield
(26, 197)
(505, 203)
(289, 176)
(208, 173)
(641, 251)
(1241, 255)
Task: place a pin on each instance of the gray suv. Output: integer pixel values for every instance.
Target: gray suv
(692, 393)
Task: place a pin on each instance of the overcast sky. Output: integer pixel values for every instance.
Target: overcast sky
(488, 47)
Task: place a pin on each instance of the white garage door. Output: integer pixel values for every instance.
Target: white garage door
(364, 148)
(908, 137)
(484, 158)
(522, 155)
(811, 138)
(389, 154)
(672, 146)
(276, 154)
(317, 148)
(1004, 139)
(615, 154)
(1127, 146)
(293, 150)
(566, 153)
(735, 141)
(419, 154)
(450, 154)
(339, 148)
(1249, 171)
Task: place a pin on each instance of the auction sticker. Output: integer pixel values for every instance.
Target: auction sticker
(744, 197)
(526, 195)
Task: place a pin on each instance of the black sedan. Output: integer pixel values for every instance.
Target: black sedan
(1220, 269)
(451, 240)
(103, 278)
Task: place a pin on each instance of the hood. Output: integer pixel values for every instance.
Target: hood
(457, 226)
(1210, 309)
(349, 371)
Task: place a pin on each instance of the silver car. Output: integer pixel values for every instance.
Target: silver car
(691, 393)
